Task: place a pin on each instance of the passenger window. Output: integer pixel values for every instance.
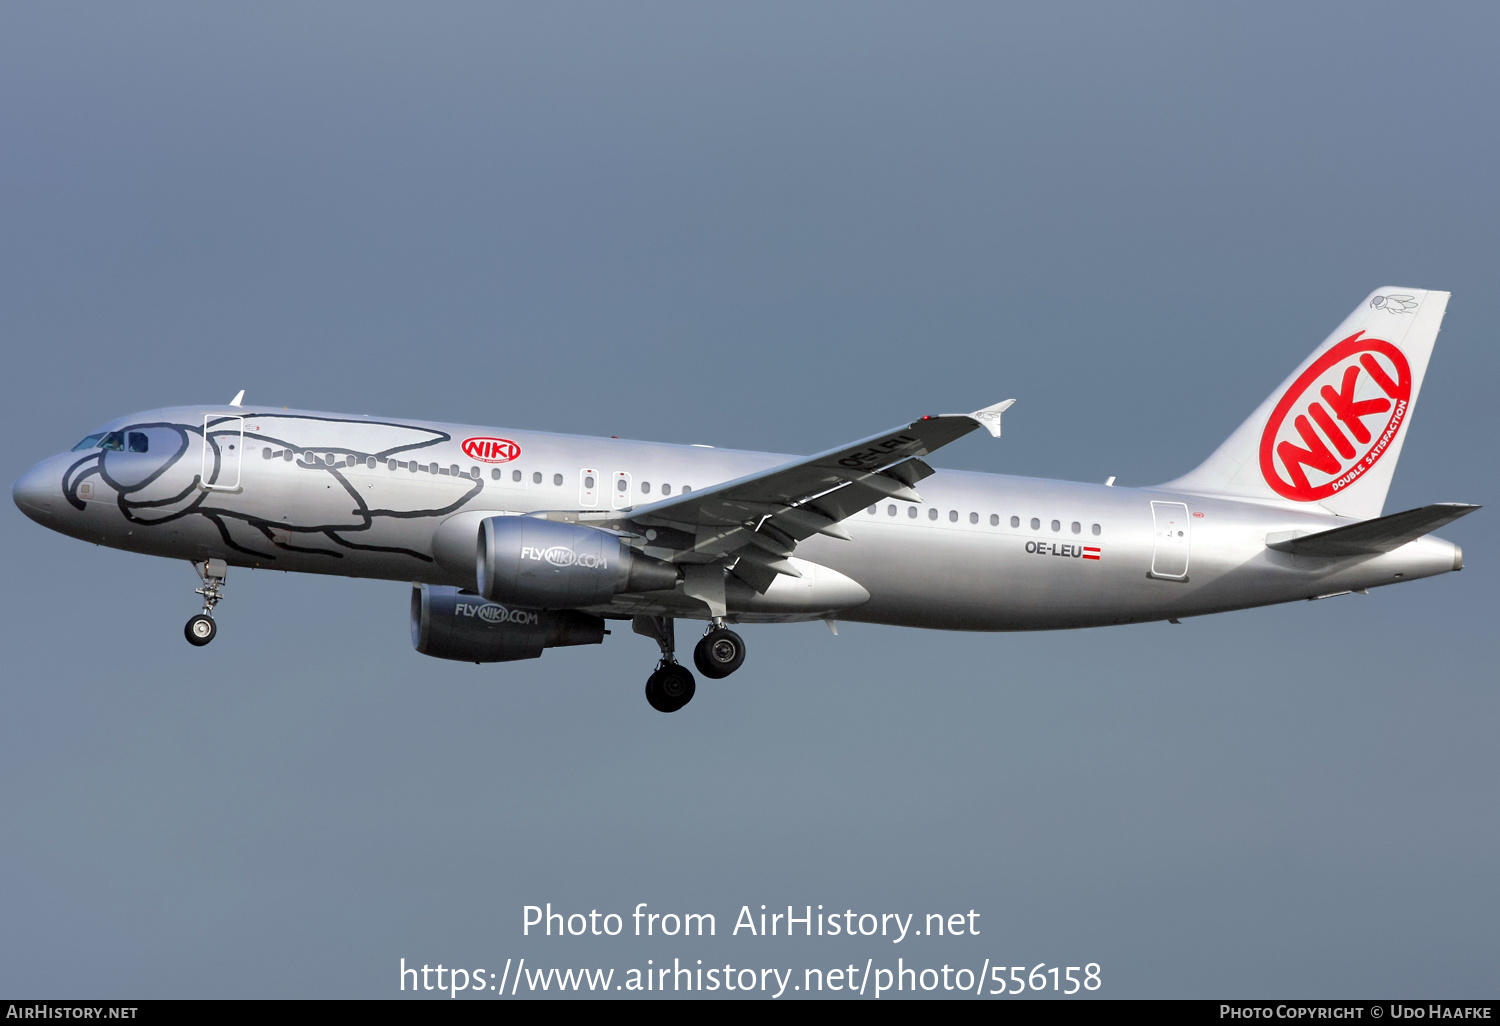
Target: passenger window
(994, 519)
(645, 487)
(536, 477)
(973, 518)
(1057, 525)
(138, 441)
(953, 516)
(686, 489)
(1077, 527)
(911, 512)
(495, 474)
(873, 510)
(890, 511)
(932, 513)
(1096, 530)
(557, 480)
(1015, 521)
(588, 480)
(515, 475)
(88, 443)
(666, 489)
(1036, 525)
(621, 485)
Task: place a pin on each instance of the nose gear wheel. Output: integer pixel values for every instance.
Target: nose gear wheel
(200, 630)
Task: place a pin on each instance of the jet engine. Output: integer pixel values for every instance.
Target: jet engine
(547, 564)
(453, 624)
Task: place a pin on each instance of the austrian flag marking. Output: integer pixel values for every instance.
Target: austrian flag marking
(1336, 420)
(1091, 552)
(491, 450)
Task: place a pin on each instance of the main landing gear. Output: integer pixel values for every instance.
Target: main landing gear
(671, 686)
(201, 629)
(720, 653)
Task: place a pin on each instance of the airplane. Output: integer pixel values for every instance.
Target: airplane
(519, 541)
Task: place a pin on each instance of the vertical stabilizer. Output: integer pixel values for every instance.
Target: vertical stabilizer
(1330, 435)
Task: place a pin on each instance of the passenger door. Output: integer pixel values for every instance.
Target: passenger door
(223, 452)
(1169, 549)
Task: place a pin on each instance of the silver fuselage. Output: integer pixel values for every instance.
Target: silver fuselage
(365, 497)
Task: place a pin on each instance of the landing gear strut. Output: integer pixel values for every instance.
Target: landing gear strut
(671, 686)
(720, 653)
(201, 629)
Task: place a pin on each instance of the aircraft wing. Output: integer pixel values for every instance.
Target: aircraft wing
(756, 521)
(1383, 534)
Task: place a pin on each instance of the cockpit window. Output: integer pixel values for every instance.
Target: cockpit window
(113, 442)
(137, 441)
(89, 442)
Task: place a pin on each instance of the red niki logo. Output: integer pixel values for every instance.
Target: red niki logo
(491, 450)
(1358, 379)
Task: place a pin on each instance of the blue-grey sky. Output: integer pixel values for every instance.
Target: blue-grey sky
(776, 226)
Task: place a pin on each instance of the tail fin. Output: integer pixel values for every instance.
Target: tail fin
(1330, 435)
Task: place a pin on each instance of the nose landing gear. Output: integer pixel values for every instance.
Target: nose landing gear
(201, 629)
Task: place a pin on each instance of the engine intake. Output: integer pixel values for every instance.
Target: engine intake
(551, 565)
(451, 624)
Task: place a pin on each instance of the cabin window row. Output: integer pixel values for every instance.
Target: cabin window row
(621, 484)
(335, 460)
(933, 513)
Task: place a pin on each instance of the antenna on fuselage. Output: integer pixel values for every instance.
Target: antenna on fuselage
(238, 397)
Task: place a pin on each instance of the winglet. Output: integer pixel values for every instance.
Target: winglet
(240, 396)
(989, 417)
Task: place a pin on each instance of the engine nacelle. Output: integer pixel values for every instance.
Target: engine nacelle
(453, 624)
(547, 564)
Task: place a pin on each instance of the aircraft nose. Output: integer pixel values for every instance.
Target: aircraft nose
(35, 492)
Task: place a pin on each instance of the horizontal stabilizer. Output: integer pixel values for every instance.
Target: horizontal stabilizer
(1370, 536)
